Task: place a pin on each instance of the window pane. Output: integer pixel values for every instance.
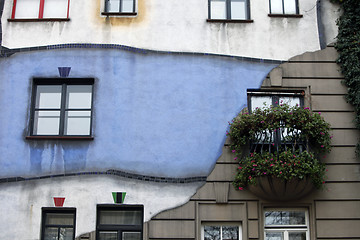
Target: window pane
(276, 7)
(59, 219)
(285, 218)
(66, 234)
(238, 9)
(291, 101)
(127, 6)
(46, 123)
(274, 236)
(48, 96)
(107, 235)
(51, 234)
(230, 233)
(211, 233)
(290, 6)
(131, 236)
(297, 236)
(27, 9)
(78, 96)
(260, 102)
(77, 123)
(121, 217)
(112, 5)
(218, 9)
(55, 8)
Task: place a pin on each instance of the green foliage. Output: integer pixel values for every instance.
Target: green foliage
(348, 47)
(285, 163)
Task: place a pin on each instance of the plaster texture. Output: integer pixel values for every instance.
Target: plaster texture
(154, 114)
(178, 26)
(23, 200)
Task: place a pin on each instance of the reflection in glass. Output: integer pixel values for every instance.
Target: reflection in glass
(48, 96)
(230, 232)
(107, 235)
(211, 233)
(51, 233)
(121, 217)
(260, 102)
(131, 236)
(46, 123)
(285, 218)
(297, 236)
(59, 219)
(274, 236)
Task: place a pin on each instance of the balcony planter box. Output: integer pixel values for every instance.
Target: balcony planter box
(284, 147)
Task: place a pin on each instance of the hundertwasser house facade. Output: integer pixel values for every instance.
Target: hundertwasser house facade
(114, 117)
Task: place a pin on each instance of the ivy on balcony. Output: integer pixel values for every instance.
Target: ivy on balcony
(282, 142)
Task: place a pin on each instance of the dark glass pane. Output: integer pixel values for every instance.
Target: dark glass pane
(230, 233)
(274, 236)
(107, 235)
(297, 236)
(59, 219)
(66, 234)
(131, 236)
(211, 233)
(121, 217)
(285, 218)
(51, 234)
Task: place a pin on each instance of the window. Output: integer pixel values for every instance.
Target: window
(61, 107)
(260, 99)
(119, 7)
(40, 9)
(58, 223)
(229, 9)
(119, 222)
(224, 231)
(286, 224)
(284, 7)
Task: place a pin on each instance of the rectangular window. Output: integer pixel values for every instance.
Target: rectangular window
(119, 222)
(61, 107)
(284, 7)
(40, 9)
(120, 7)
(286, 224)
(223, 231)
(229, 9)
(58, 223)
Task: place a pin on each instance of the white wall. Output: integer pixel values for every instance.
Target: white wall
(174, 25)
(21, 202)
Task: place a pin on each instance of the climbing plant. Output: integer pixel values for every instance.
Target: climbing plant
(348, 47)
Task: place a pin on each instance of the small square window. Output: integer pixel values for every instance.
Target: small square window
(286, 224)
(119, 222)
(40, 9)
(120, 7)
(284, 7)
(61, 107)
(229, 9)
(58, 223)
(221, 231)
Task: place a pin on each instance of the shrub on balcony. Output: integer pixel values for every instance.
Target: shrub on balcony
(280, 141)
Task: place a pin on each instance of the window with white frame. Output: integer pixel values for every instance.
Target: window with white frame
(61, 107)
(229, 9)
(40, 9)
(120, 6)
(119, 222)
(284, 7)
(286, 224)
(58, 223)
(221, 231)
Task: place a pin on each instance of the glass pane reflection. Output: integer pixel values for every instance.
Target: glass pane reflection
(274, 236)
(285, 218)
(211, 232)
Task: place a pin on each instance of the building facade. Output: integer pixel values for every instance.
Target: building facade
(129, 101)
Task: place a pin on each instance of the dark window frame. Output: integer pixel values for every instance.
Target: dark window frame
(120, 12)
(283, 10)
(228, 13)
(63, 82)
(119, 228)
(62, 210)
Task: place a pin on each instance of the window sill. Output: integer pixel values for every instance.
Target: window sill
(119, 13)
(286, 15)
(38, 19)
(88, 138)
(230, 20)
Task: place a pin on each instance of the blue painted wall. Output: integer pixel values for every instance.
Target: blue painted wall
(155, 114)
